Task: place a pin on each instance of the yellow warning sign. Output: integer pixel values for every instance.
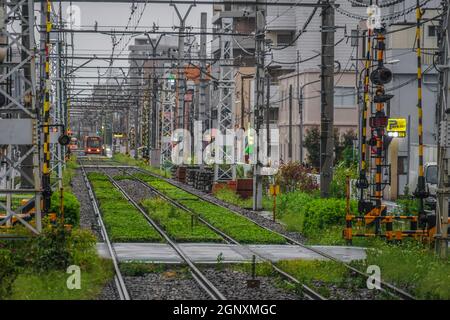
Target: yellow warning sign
(274, 190)
(396, 127)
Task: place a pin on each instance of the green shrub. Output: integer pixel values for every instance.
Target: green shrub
(310, 215)
(408, 206)
(48, 251)
(71, 207)
(338, 185)
(82, 249)
(8, 273)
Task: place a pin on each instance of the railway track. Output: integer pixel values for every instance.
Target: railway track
(196, 273)
(118, 278)
(387, 288)
(308, 292)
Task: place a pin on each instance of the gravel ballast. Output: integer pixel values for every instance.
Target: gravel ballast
(233, 284)
(88, 220)
(161, 286)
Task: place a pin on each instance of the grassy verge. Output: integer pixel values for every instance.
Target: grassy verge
(35, 269)
(123, 221)
(409, 265)
(329, 278)
(412, 266)
(69, 172)
(52, 285)
(179, 224)
(229, 196)
(225, 220)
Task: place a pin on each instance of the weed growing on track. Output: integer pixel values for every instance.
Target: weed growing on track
(124, 159)
(140, 269)
(331, 279)
(123, 221)
(178, 223)
(234, 225)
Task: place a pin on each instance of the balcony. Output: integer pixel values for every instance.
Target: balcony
(280, 18)
(244, 42)
(288, 54)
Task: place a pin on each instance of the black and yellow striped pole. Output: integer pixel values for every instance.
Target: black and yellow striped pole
(363, 182)
(379, 130)
(420, 191)
(46, 115)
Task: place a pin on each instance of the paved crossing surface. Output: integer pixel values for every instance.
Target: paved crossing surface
(226, 253)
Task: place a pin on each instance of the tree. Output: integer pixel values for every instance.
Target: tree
(343, 145)
(312, 145)
(294, 176)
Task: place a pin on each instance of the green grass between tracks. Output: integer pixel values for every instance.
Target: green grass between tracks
(127, 160)
(234, 225)
(123, 221)
(178, 223)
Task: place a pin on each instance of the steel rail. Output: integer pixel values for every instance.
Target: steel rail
(387, 286)
(118, 279)
(309, 292)
(201, 279)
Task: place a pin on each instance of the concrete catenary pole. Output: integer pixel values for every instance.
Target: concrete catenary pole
(202, 92)
(443, 120)
(327, 100)
(181, 85)
(259, 95)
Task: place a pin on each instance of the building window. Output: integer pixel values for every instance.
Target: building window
(354, 38)
(344, 97)
(432, 31)
(284, 39)
(402, 166)
(273, 115)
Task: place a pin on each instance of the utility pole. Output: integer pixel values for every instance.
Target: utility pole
(327, 100)
(290, 124)
(268, 112)
(443, 120)
(259, 99)
(300, 109)
(181, 85)
(202, 91)
(152, 125)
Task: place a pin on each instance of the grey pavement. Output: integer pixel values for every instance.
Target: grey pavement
(226, 253)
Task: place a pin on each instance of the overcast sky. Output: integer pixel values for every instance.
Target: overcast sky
(115, 16)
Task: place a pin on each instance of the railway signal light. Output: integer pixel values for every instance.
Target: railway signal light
(379, 121)
(64, 140)
(381, 76)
